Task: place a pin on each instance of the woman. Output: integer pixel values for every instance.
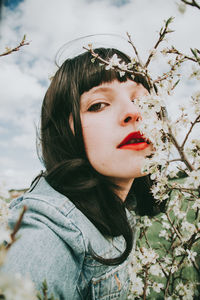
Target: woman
(77, 232)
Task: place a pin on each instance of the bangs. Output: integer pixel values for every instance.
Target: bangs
(90, 74)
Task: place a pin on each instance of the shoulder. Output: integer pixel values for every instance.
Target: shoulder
(49, 243)
(48, 213)
(53, 213)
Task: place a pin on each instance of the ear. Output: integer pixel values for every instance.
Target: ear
(71, 123)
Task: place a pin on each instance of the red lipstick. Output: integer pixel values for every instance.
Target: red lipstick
(134, 141)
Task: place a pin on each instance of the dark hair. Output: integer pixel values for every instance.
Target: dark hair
(67, 168)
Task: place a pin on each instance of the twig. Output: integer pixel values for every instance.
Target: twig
(180, 150)
(145, 283)
(189, 131)
(16, 228)
(175, 51)
(189, 191)
(170, 72)
(134, 48)
(168, 278)
(175, 229)
(22, 43)
(193, 3)
(146, 239)
(162, 34)
(163, 270)
(174, 160)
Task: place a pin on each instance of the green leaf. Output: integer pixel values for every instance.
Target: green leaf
(194, 52)
(170, 20)
(176, 83)
(169, 31)
(39, 296)
(197, 50)
(44, 284)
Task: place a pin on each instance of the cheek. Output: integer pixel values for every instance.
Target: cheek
(96, 138)
(91, 138)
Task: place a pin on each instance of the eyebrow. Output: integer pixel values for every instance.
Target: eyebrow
(101, 89)
(107, 89)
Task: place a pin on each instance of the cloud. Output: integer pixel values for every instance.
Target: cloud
(20, 91)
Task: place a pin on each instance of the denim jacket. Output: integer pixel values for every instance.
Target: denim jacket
(54, 244)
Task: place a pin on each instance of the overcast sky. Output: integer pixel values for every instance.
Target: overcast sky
(24, 75)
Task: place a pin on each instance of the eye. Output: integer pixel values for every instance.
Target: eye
(97, 106)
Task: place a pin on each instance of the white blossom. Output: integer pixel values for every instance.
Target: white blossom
(114, 61)
(4, 229)
(4, 212)
(157, 287)
(147, 221)
(174, 267)
(164, 217)
(179, 251)
(156, 270)
(4, 194)
(147, 256)
(166, 225)
(5, 233)
(16, 287)
(137, 286)
(195, 73)
(191, 255)
(163, 233)
(132, 63)
(196, 204)
(182, 8)
(135, 266)
(185, 291)
(189, 227)
(167, 260)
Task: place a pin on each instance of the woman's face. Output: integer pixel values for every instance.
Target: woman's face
(109, 120)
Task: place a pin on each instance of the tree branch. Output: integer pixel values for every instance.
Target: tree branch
(180, 150)
(193, 3)
(21, 44)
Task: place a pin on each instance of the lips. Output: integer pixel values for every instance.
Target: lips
(134, 141)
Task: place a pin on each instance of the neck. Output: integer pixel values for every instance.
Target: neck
(124, 187)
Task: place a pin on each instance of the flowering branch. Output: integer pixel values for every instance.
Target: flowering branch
(170, 73)
(195, 53)
(115, 64)
(163, 32)
(21, 44)
(197, 120)
(180, 150)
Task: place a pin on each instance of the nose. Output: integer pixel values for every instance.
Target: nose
(130, 114)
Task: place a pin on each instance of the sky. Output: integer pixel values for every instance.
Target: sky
(48, 24)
